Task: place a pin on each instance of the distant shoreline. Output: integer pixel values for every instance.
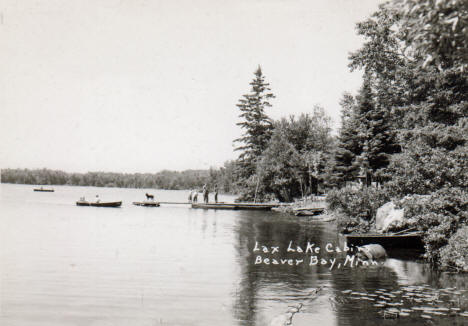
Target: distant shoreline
(164, 180)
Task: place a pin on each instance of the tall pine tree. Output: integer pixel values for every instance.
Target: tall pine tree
(256, 124)
(348, 145)
(366, 138)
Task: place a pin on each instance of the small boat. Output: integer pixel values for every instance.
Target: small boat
(44, 189)
(308, 211)
(387, 240)
(146, 203)
(99, 204)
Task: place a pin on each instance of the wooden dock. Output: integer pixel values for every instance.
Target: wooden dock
(235, 206)
(412, 240)
(146, 203)
(175, 202)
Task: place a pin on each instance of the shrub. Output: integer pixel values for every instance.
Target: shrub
(421, 169)
(356, 208)
(455, 254)
(439, 215)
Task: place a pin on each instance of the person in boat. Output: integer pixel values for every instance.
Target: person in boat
(195, 196)
(190, 196)
(97, 199)
(216, 193)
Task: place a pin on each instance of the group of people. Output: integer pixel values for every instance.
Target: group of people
(193, 196)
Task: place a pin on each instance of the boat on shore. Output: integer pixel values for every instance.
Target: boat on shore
(99, 204)
(146, 203)
(41, 189)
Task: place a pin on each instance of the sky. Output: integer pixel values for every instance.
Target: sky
(141, 86)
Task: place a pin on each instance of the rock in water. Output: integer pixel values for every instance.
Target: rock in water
(372, 252)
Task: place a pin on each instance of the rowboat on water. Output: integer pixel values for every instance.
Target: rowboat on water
(146, 203)
(44, 189)
(99, 204)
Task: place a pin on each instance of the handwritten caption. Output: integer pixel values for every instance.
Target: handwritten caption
(331, 255)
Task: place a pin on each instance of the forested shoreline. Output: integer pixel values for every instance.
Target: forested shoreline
(168, 180)
(403, 136)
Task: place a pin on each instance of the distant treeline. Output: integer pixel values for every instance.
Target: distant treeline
(171, 180)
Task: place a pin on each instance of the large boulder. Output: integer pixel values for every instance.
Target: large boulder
(388, 216)
(371, 252)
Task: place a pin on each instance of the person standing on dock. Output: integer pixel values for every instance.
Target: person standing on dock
(195, 196)
(216, 193)
(205, 194)
(190, 196)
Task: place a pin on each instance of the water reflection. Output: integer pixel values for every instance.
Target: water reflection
(266, 291)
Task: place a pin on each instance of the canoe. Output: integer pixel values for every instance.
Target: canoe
(146, 203)
(100, 204)
(44, 190)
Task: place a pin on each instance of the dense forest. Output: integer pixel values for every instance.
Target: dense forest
(403, 136)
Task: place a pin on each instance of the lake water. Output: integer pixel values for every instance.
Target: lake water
(61, 264)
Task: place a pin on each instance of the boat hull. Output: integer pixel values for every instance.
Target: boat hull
(100, 204)
(44, 190)
(400, 241)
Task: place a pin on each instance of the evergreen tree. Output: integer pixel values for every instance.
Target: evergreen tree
(256, 124)
(348, 146)
(375, 134)
(434, 126)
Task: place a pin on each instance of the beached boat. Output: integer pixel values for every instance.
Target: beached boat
(99, 204)
(410, 240)
(44, 189)
(146, 203)
(235, 206)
